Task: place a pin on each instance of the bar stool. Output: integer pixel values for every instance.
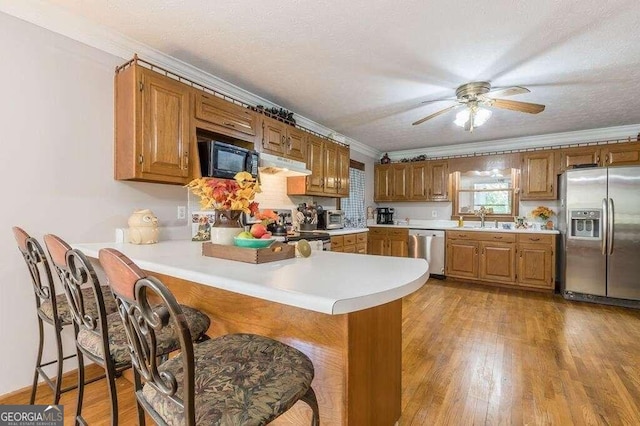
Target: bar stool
(51, 309)
(76, 272)
(235, 379)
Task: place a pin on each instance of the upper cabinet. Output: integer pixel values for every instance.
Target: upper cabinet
(329, 165)
(221, 116)
(618, 154)
(419, 181)
(282, 139)
(538, 176)
(152, 127)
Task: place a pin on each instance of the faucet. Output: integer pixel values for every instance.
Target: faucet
(482, 213)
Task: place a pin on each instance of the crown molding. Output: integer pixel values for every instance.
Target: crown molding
(76, 28)
(523, 143)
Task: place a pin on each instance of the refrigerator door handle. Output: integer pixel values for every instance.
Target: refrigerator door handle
(604, 226)
(610, 226)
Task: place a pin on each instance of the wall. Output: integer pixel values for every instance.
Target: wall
(57, 144)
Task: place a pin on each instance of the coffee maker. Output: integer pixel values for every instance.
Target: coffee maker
(385, 216)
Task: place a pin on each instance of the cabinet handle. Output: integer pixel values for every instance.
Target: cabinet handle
(534, 239)
(476, 251)
(497, 238)
(186, 160)
(597, 159)
(606, 159)
(551, 188)
(282, 143)
(289, 142)
(140, 158)
(226, 123)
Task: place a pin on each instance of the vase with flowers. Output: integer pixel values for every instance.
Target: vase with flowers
(229, 199)
(543, 214)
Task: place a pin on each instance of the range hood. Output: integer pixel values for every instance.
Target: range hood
(272, 164)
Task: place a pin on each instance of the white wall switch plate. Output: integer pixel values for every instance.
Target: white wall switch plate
(434, 213)
(182, 212)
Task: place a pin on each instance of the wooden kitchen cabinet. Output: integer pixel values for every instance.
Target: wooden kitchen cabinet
(153, 134)
(497, 261)
(439, 181)
(419, 181)
(388, 241)
(520, 260)
(329, 165)
(578, 157)
(623, 154)
(536, 261)
(538, 176)
(221, 116)
(279, 138)
(350, 243)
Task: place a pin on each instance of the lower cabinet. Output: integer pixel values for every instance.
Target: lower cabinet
(386, 241)
(350, 243)
(524, 260)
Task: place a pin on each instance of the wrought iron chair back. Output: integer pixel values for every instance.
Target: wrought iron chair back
(133, 291)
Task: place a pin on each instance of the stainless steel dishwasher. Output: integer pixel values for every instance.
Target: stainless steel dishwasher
(428, 244)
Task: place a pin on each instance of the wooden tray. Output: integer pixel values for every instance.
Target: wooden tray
(276, 251)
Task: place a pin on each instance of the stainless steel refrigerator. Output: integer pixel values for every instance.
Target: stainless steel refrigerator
(599, 220)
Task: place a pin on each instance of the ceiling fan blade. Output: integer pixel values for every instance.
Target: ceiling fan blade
(435, 114)
(516, 105)
(507, 91)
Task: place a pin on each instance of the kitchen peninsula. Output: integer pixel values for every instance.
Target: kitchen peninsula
(344, 311)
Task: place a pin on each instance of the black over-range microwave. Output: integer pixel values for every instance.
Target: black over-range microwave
(222, 160)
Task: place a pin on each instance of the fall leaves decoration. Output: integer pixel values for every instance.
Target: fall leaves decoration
(226, 194)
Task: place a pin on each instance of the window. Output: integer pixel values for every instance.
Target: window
(494, 190)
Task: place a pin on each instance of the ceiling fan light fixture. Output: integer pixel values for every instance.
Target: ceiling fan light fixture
(479, 116)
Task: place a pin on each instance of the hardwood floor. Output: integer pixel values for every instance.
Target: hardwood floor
(479, 355)
(483, 355)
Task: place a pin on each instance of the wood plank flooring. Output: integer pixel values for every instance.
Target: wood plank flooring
(479, 355)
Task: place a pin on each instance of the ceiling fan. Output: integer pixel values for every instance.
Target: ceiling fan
(476, 95)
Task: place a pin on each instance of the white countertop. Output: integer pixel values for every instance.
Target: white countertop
(326, 282)
(345, 231)
(452, 226)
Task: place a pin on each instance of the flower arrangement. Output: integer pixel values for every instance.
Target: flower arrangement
(226, 194)
(542, 212)
(266, 216)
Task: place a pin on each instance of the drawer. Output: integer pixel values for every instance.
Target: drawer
(349, 249)
(337, 242)
(361, 237)
(398, 233)
(225, 114)
(377, 231)
(536, 238)
(349, 239)
(503, 237)
(361, 248)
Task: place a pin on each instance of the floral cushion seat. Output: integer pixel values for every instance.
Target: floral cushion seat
(240, 379)
(167, 338)
(64, 313)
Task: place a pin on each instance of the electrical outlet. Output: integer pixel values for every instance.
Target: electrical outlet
(434, 213)
(182, 212)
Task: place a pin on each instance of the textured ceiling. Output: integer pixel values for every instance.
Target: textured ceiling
(363, 67)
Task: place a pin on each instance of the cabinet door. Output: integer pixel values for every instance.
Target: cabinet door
(419, 181)
(622, 154)
(398, 247)
(438, 181)
(361, 248)
(572, 157)
(330, 168)
(377, 244)
(296, 144)
(538, 176)
(497, 262)
(399, 179)
(165, 126)
(536, 265)
(273, 136)
(462, 258)
(228, 118)
(343, 171)
(382, 184)
(315, 163)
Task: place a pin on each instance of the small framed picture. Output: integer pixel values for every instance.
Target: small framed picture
(201, 223)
